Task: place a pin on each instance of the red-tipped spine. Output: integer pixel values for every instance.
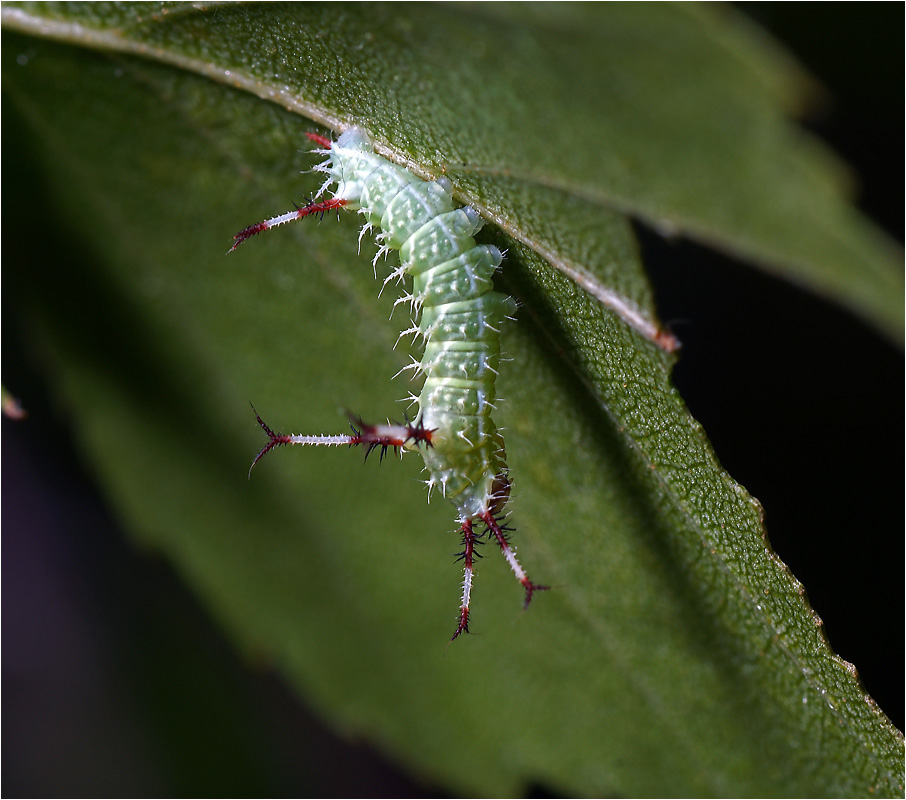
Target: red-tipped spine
(499, 533)
(311, 208)
(324, 141)
(467, 556)
(372, 436)
(275, 440)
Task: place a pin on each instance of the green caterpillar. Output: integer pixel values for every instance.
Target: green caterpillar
(459, 322)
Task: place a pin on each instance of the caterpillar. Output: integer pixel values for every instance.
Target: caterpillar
(459, 317)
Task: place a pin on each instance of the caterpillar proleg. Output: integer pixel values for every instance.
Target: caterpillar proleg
(459, 323)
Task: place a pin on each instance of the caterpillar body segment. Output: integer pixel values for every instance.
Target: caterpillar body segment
(459, 319)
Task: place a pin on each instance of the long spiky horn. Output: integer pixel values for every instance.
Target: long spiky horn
(280, 439)
(372, 436)
(311, 208)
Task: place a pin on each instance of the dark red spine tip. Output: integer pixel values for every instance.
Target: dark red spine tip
(463, 626)
(530, 589)
(248, 233)
(324, 141)
(275, 440)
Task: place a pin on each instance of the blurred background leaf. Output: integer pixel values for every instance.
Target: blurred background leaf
(647, 671)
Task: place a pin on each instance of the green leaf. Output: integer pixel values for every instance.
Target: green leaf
(676, 116)
(677, 654)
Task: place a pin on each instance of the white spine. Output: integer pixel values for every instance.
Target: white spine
(466, 586)
(322, 439)
(510, 555)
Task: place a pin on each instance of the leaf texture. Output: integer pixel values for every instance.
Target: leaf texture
(677, 654)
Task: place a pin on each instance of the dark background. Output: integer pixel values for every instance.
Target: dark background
(787, 388)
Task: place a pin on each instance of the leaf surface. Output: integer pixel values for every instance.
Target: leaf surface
(676, 653)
